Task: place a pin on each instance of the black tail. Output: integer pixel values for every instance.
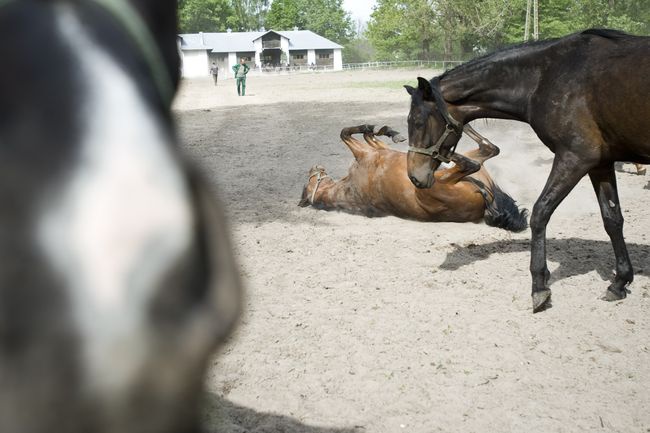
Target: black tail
(501, 210)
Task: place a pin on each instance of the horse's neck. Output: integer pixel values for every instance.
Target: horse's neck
(496, 86)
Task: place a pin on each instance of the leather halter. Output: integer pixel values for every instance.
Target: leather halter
(132, 22)
(319, 179)
(452, 126)
(434, 150)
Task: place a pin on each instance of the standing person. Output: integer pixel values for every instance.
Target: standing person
(241, 70)
(214, 70)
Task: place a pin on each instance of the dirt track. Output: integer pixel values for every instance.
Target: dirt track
(385, 325)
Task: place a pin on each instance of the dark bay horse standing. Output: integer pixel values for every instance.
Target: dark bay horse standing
(586, 97)
(117, 278)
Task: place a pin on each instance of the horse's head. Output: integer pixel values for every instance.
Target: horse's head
(433, 133)
(317, 175)
(116, 279)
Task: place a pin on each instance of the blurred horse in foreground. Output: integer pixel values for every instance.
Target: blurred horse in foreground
(377, 185)
(117, 278)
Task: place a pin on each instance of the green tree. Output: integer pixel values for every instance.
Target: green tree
(388, 31)
(250, 14)
(561, 17)
(358, 50)
(205, 16)
(284, 15)
(325, 17)
(425, 29)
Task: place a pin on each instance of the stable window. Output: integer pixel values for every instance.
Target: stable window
(299, 56)
(323, 56)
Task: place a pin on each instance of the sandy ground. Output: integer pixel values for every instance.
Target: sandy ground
(385, 325)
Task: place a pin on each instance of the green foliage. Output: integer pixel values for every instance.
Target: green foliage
(205, 16)
(325, 17)
(394, 26)
(249, 14)
(283, 15)
(424, 29)
(358, 50)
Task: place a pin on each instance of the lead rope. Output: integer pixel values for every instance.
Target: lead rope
(130, 19)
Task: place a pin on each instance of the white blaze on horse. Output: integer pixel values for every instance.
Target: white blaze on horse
(377, 184)
(117, 278)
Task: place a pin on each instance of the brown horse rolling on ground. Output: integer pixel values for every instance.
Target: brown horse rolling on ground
(377, 185)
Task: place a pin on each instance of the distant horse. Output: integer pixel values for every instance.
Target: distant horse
(117, 278)
(586, 97)
(377, 185)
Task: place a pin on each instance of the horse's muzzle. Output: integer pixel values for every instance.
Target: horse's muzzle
(422, 185)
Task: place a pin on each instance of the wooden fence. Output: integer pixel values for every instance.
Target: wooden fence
(433, 64)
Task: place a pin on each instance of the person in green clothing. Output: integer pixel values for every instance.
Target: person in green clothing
(240, 75)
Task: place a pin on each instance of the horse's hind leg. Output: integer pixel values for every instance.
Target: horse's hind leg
(471, 161)
(463, 167)
(357, 147)
(486, 149)
(604, 183)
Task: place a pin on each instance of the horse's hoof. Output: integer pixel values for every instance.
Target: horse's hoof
(541, 300)
(614, 295)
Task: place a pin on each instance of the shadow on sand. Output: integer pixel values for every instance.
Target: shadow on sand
(223, 416)
(575, 256)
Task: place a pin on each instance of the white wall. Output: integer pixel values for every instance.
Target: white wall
(338, 59)
(284, 46)
(258, 51)
(311, 57)
(195, 64)
(232, 61)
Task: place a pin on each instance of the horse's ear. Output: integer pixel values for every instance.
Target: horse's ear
(410, 89)
(158, 14)
(161, 17)
(425, 87)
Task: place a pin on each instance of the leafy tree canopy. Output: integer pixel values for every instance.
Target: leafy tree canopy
(205, 16)
(422, 29)
(325, 17)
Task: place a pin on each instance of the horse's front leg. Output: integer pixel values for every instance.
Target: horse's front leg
(566, 173)
(604, 182)
(387, 131)
(358, 148)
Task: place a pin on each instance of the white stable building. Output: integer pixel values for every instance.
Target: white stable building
(302, 49)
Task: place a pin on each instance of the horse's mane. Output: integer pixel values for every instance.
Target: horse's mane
(502, 52)
(607, 33)
(522, 48)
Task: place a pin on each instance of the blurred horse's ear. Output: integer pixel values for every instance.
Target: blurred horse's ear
(158, 14)
(161, 17)
(410, 89)
(425, 87)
